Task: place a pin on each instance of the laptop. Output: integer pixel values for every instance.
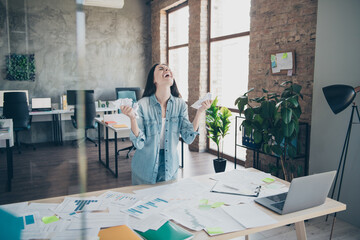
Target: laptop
(41, 104)
(304, 192)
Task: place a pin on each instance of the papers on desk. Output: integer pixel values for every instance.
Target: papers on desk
(249, 216)
(124, 200)
(98, 220)
(198, 103)
(71, 206)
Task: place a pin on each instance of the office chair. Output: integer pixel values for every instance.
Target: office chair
(16, 108)
(134, 94)
(90, 114)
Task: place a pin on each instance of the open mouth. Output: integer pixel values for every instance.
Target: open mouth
(167, 75)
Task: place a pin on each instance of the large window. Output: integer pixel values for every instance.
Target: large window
(178, 46)
(229, 59)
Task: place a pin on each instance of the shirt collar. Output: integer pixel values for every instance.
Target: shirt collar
(154, 101)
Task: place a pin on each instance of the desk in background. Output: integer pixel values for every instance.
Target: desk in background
(123, 132)
(57, 116)
(330, 206)
(7, 140)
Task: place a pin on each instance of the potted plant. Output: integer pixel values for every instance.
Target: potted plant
(273, 121)
(218, 124)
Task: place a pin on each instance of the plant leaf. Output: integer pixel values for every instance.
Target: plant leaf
(286, 115)
(288, 129)
(257, 137)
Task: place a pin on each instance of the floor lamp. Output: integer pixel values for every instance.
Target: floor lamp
(339, 97)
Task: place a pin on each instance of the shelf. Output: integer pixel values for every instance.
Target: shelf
(256, 152)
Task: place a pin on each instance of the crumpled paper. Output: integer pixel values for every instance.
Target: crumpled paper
(125, 102)
(198, 103)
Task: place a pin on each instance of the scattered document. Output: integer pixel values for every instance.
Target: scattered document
(198, 103)
(70, 206)
(122, 232)
(16, 209)
(88, 234)
(147, 207)
(154, 222)
(97, 220)
(120, 199)
(44, 209)
(249, 216)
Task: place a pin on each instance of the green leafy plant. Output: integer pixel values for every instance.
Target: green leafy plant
(20, 67)
(273, 120)
(218, 124)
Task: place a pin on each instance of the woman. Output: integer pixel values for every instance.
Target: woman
(162, 117)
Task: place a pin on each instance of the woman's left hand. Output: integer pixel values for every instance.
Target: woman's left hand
(205, 105)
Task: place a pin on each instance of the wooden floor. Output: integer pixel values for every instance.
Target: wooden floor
(51, 171)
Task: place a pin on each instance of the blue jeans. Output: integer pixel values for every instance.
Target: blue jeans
(136, 180)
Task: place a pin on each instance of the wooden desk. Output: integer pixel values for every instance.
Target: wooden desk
(330, 206)
(8, 138)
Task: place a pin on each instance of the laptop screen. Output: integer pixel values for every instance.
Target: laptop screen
(41, 103)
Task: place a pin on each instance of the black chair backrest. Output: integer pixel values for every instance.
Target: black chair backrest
(16, 108)
(90, 110)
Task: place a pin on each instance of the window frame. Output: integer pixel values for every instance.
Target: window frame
(210, 41)
(168, 48)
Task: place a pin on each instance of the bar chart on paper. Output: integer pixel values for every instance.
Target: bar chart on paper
(145, 208)
(71, 206)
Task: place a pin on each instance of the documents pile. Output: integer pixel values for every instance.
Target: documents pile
(147, 212)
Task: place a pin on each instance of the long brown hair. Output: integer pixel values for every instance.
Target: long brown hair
(150, 87)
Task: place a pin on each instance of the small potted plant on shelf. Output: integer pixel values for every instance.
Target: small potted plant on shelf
(273, 122)
(218, 124)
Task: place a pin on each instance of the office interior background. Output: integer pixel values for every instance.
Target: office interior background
(224, 55)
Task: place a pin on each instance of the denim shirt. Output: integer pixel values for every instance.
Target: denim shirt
(145, 162)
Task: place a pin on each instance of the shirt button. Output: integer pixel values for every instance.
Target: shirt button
(167, 120)
(166, 170)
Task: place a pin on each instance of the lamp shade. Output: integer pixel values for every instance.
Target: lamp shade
(339, 96)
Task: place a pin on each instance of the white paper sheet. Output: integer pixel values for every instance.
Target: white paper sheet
(154, 222)
(125, 102)
(197, 104)
(147, 207)
(120, 199)
(70, 206)
(44, 209)
(90, 234)
(249, 216)
(97, 220)
(16, 209)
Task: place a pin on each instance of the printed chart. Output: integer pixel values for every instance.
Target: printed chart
(146, 208)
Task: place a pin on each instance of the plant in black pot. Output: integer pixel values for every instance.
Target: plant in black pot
(218, 124)
(273, 122)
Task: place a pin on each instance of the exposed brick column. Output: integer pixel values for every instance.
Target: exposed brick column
(198, 63)
(278, 26)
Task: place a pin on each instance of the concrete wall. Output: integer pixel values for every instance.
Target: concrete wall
(118, 47)
(337, 61)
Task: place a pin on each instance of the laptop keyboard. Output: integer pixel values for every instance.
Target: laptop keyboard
(278, 198)
(278, 205)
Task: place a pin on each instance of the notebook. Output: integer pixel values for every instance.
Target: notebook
(304, 192)
(122, 232)
(41, 104)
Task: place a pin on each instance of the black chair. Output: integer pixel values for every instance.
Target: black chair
(89, 115)
(134, 94)
(16, 108)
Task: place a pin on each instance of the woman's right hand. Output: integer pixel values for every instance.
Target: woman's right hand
(128, 111)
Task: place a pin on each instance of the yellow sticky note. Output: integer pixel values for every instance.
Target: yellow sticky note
(50, 219)
(268, 180)
(203, 201)
(120, 126)
(217, 204)
(214, 230)
(285, 55)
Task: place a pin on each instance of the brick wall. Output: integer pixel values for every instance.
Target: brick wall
(276, 26)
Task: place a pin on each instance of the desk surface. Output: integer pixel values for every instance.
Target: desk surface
(330, 206)
(60, 111)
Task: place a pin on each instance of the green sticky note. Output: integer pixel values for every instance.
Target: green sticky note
(214, 230)
(204, 207)
(50, 219)
(273, 58)
(268, 180)
(284, 55)
(217, 204)
(203, 201)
